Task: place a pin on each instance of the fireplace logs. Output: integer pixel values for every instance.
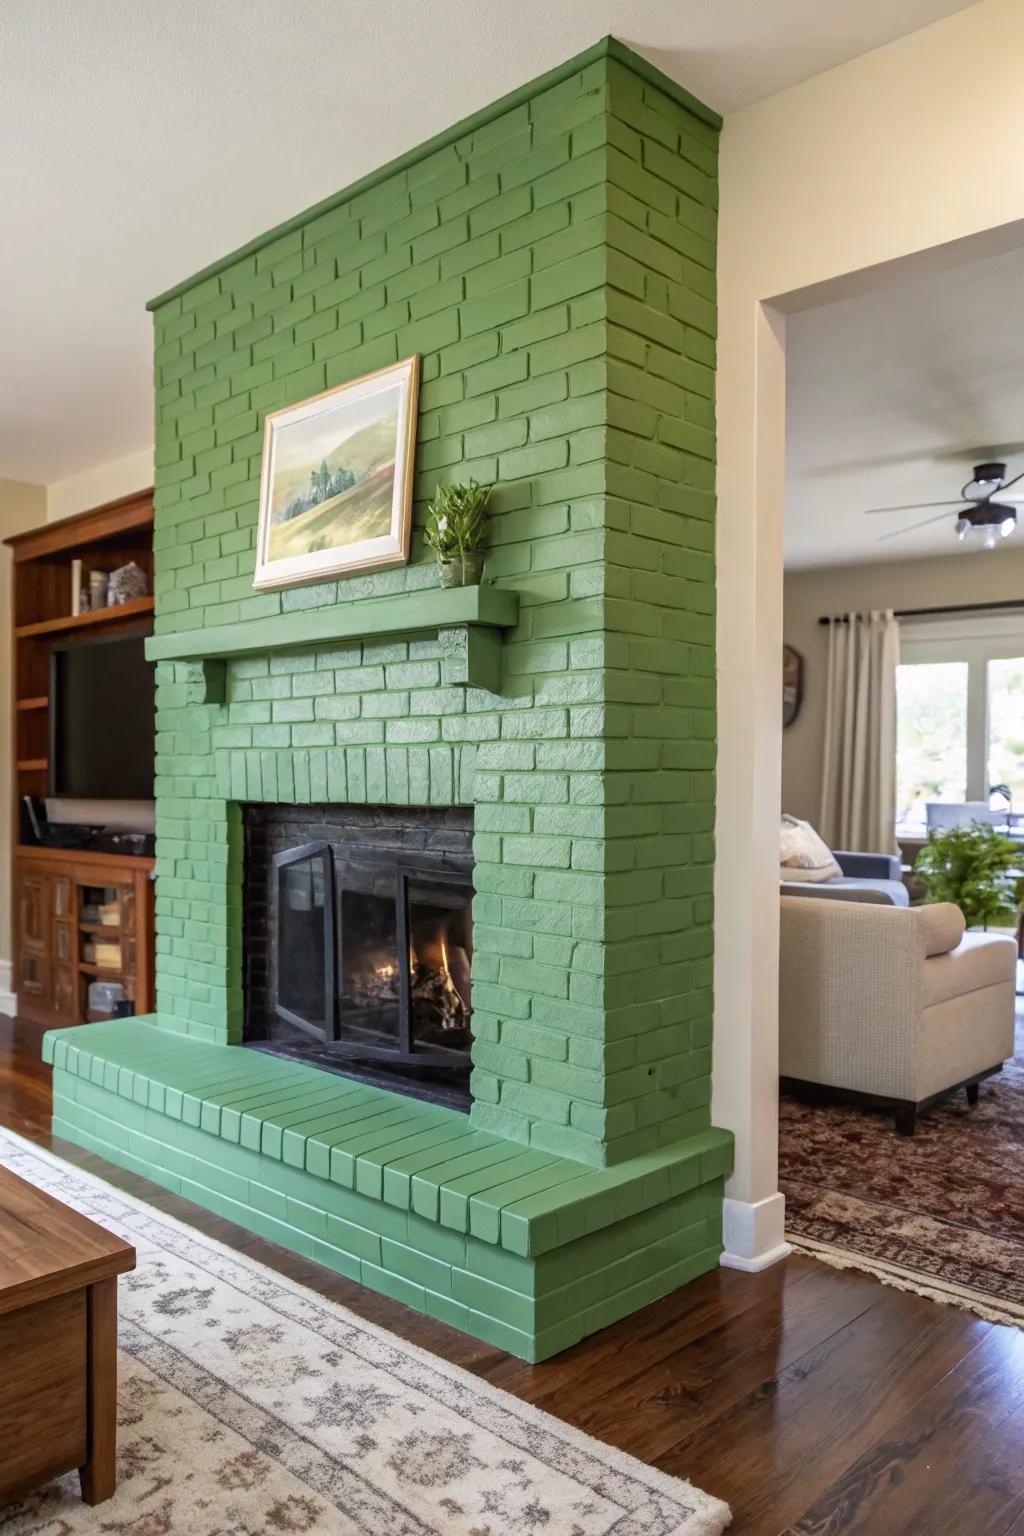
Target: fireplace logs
(440, 1005)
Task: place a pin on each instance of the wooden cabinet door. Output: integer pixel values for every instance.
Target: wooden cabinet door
(33, 976)
(126, 899)
(65, 995)
(32, 966)
(33, 906)
(64, 1000)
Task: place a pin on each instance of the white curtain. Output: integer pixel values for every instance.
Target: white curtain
(858, 794)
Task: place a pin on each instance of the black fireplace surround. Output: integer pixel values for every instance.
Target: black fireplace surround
(358, 936)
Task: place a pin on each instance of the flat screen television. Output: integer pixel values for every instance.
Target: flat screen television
(102, 720)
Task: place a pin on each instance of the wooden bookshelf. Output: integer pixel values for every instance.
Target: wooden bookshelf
(52, 885)
(117, 613)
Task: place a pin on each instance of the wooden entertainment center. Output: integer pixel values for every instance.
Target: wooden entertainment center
(67, 901)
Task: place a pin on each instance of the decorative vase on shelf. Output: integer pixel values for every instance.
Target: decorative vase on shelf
(97, 590)
(463, 570)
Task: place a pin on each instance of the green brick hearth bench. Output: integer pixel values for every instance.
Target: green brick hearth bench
(527, 1250)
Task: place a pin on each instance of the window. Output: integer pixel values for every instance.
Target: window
(959, 715)
(1006, 725)
(931, 737)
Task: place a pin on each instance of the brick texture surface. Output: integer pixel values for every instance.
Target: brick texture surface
(527, 1251)
(555, 269)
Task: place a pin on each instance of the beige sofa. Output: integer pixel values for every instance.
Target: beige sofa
(890, 1006)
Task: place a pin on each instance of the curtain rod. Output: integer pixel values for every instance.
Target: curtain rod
(923, 613)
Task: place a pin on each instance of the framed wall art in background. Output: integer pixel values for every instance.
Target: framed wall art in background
(792, 684)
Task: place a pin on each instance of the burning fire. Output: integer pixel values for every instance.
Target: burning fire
(453, 1005)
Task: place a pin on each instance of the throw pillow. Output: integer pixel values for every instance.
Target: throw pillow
(802, 853)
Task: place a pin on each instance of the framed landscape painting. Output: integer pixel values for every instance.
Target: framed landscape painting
(336, 488)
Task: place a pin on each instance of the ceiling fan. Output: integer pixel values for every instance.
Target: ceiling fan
(981, 514)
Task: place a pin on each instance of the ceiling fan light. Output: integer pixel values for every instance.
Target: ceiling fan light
(989, 541)
(963, 528)
(1008, 524)
(985, 480)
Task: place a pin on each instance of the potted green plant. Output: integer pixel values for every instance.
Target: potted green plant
(976, 868)
(456, 530)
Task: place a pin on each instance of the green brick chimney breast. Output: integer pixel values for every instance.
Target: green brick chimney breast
(552, 260)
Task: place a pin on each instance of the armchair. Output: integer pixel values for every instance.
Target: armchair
(890, 1006)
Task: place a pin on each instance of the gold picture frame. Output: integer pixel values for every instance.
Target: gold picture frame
(336, 480)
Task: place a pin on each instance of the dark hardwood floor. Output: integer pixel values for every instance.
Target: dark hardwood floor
(813, 1400)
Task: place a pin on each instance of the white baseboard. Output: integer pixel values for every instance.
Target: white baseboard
(754, 1233)
(762, 1261)
(8, 1001)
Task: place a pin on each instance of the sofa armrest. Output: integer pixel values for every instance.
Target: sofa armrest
(869, 866)
(943, 926)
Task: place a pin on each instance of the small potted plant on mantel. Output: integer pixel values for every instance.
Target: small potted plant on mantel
(456, 530)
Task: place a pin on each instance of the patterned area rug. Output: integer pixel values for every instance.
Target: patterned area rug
(940, 1213)
(249, 1405)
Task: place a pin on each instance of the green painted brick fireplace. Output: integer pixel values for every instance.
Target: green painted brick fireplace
(552, 260)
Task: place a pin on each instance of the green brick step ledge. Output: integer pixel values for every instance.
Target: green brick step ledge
(467, 620)
(524, 1249)
(207, 1086)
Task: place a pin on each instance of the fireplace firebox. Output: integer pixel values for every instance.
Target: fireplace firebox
(359, 943)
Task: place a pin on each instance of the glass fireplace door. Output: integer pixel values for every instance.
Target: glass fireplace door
(305, 933)
(368, 994)
(435, 917)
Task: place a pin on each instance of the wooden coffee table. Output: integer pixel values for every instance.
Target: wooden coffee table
(58, 1343)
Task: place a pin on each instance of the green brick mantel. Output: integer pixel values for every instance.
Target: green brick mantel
(552, 260)
(431, 608)
(467, 621)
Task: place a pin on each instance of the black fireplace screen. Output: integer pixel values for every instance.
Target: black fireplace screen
(401, 984)
(361, 946)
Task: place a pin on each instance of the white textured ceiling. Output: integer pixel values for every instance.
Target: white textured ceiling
(139, 142)
(891, 399)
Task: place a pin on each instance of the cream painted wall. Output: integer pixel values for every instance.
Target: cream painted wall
(21, 506)
(104, 482)
(844, 183)
(968, 577)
